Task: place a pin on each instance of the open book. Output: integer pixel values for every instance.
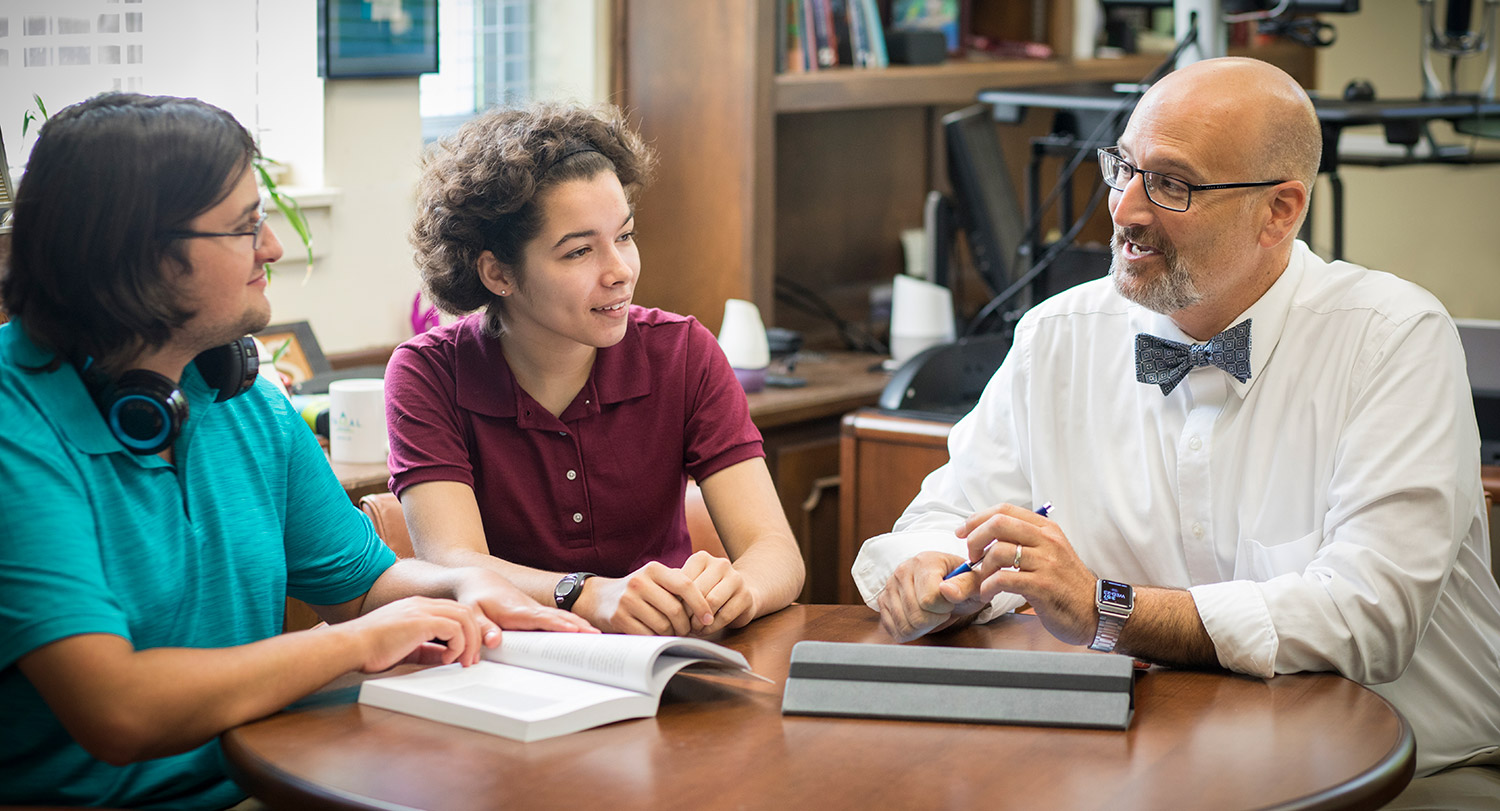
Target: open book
(540, 685)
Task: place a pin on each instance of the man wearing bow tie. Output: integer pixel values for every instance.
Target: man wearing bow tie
(1257, 460)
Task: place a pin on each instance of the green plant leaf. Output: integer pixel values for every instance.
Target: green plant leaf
(289, 208)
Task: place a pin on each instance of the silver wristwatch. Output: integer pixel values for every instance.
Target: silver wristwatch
(1115, 601)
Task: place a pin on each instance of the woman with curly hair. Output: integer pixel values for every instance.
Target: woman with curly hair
(549, 435)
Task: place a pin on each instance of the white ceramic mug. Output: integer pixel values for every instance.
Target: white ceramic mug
(356, 420)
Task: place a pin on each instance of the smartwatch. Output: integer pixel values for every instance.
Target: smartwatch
(566, 592)
(1115, 601)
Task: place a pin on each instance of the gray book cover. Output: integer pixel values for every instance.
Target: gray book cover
(975, 685)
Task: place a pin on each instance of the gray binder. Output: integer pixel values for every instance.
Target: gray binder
(975, 685)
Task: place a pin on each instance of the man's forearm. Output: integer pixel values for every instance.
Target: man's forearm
(1165, 628)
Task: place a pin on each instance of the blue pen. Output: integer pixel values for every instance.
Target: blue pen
(969, 567)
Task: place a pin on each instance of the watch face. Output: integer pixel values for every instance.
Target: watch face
(1117, 595)
(564, 585)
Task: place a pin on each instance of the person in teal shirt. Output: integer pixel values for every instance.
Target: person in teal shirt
(155, 510)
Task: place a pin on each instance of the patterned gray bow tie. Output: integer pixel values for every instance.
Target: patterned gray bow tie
(1165, 363)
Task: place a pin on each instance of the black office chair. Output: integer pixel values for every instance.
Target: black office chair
(946, 380)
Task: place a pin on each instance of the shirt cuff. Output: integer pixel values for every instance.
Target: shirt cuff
(1239, 623)
(880, 556)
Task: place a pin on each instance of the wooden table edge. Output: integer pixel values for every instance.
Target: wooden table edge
(1378, 785)
(278, 788)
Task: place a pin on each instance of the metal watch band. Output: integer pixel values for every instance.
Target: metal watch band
(1108, 634)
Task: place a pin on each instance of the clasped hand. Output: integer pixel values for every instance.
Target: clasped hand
(1046, 571)
(706, 595)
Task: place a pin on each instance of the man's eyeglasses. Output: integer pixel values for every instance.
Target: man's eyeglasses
(253, 233)
(1172, 194)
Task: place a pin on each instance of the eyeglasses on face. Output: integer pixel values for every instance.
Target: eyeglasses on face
(1172, 194)
(254, 232)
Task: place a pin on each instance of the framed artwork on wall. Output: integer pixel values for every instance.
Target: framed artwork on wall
(377, 38)
(298, 356)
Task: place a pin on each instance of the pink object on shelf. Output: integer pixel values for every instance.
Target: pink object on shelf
(422, 320)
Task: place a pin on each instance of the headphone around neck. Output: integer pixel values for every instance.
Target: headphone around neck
(145, 410)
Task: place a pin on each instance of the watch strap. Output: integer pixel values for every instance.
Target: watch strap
(566, 598)
(1110, 625)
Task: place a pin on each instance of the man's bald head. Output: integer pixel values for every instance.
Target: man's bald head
(1265, 118)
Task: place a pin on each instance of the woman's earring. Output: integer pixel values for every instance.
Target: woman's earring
(504, 292)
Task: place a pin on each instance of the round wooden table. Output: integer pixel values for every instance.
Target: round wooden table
(1198, 740)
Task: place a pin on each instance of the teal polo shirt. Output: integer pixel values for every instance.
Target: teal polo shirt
(196, 554)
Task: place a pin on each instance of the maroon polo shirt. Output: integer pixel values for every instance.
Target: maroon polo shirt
(599, 489)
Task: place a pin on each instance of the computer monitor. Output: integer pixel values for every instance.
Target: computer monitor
(984, 199)
(1245, 6)
(1481, 342)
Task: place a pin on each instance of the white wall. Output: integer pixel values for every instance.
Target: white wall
(1438, 226)
(360, 290)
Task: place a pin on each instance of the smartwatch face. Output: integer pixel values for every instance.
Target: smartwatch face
(1116, 595)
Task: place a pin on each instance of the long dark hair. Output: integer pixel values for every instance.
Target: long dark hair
(92, 273)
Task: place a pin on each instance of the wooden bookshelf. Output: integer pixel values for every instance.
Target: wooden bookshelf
(809, 175)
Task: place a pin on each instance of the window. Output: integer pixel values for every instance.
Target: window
(484, 58)
(508, 52)
(255, 58)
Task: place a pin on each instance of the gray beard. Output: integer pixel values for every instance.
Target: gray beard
(1165, 294)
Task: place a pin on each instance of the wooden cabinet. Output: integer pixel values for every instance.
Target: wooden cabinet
(808, 176)
(884, 458)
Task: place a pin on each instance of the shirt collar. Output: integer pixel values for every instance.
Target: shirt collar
(1268, 319)
(485, 384)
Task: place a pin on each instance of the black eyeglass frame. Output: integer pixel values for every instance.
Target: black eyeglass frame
(254, 233)
(1108, 153)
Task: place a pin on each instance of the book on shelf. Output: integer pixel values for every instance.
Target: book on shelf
(821, 34)
(539, 685)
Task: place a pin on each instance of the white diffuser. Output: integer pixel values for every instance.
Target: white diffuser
(742, 336)
(921, 316)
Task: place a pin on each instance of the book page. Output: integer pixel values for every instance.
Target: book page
(620, 660)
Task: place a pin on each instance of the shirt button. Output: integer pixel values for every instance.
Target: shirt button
(562, 433)
(1195, 443)
(578, 518)
(1197, 530)
(572, 474)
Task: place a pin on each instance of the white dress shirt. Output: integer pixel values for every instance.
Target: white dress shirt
(1326, 514)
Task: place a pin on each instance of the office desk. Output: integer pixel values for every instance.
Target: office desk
(1198, 740)
(1086, 103)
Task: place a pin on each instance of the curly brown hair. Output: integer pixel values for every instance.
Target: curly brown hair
(480, 187)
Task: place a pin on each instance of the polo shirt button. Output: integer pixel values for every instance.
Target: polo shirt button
(578, 518)
(562, 433)
(572, 474)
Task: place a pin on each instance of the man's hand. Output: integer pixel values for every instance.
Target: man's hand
(1050, 576)
(400, 631)
(510, 608)
(729, 596)
(654, 599)
(916, 600)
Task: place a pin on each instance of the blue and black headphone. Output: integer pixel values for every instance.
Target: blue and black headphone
(145, 410)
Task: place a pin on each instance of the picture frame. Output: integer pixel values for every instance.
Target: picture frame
(362, 39)
(949, 17)
(303, 358)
